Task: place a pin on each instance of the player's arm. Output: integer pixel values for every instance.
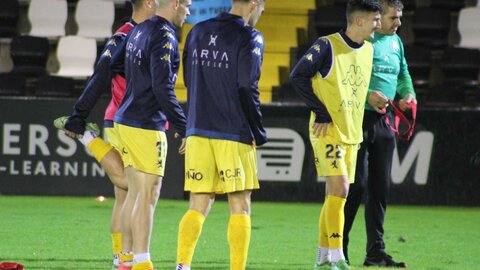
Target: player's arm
(163, 80)
(313, 61)
(250, 60)
(405, 85)
(99, 82)
(184, 58)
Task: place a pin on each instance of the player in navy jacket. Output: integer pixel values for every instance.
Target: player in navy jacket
(222, 60)
(100, 81)
(151, 60)
(223, 73)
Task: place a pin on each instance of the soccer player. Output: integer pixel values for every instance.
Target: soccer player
(222, 60)
(333, 77)
(151, 59)
(75, 124)
(374, 164)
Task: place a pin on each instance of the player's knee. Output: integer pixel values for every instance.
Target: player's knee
(240, 202)
(338, 191)
(202, 203)
(155, 194)
(119, 180)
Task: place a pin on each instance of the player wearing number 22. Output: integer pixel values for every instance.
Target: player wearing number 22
(333, 77)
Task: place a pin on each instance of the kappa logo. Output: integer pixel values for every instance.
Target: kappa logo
(112, 42)
(169, 35)
(124, 151)
(168, 46)
(160, 164)
(166, 58)
(107, 53)
(316, 47)
(354, 77)
(309, 57)
(335, 235)
(259, 39)
(257, 51)
(159, 145)
(324, 40)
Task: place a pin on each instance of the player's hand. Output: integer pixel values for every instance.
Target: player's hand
(378, 101)
(404, 103)
(320, 129)
(254, 143)
(181, 149)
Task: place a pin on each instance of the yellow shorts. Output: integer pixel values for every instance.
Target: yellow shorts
(143, 149)
(219, 166)
(112, 138)
(333, 157)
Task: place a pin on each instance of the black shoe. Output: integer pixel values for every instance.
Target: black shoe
(384, 260)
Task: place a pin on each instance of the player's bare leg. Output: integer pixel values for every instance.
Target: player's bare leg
(126, 257)
(113, 165)
(147, 187)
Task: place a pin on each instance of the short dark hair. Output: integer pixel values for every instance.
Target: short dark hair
(363, 6)
(397, 4)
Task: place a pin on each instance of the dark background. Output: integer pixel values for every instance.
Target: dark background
(454, 175)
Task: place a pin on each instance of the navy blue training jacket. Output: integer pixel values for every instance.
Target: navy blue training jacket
(151, 59)
(222, 60)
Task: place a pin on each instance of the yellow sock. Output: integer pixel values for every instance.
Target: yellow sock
(239, 230)
(99, 148)
(335, 221)
(322, 224)
(189, 231)
(143, 266)
(116, 243)
(126, 257)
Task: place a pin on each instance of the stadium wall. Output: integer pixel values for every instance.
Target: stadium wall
(440, 165)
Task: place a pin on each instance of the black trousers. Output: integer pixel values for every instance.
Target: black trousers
(372, 178)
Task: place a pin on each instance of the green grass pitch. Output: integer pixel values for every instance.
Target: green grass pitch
(73, 233)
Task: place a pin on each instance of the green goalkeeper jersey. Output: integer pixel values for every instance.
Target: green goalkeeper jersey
(390, 70)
